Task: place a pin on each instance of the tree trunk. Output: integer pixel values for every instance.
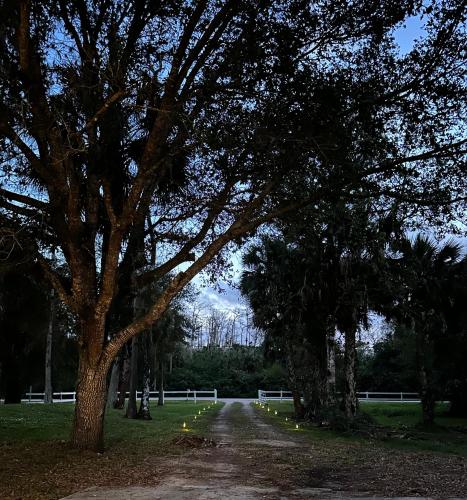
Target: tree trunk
(350, 395)
(131, 409)
(144, 412)
(112, 396)
(427, 397)
(331, 346)
(424, 360)
(160, 383)
(48, 394)
(124, 372)
(315, 366)
(155, 365)
(88, 426)
(299, 410)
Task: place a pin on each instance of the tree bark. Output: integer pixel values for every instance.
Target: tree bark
(112, 396)
(299, 410)
(131, 409)
(160, 384)
(427, 396)
(331, 345)
(155, 365)
(144, 412)
(88, 428)
(424, 354)
(350, 395)
(124, 373)
(315, 367)
(48, 394)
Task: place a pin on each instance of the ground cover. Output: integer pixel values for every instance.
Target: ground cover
(393, 466)
(36, 461)
(395, 425)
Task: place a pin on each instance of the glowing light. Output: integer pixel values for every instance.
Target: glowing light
(286, 419)
(269, 409)
(199, 412)
(296, 426)
(184, 425)
(196, 417)
(204, 409)
(275, 412)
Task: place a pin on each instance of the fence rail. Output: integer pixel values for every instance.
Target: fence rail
(381, 397)
(188, 395)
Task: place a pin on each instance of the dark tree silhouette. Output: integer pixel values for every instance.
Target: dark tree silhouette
(106, 104)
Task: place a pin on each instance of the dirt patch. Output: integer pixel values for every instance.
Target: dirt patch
(274, 442)
(194, 442)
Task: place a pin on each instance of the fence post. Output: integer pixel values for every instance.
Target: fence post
(187, 392)
(194, 395)
(163, 398)
(215, 394)
(30, 391)
(367, 397)
(402, 396)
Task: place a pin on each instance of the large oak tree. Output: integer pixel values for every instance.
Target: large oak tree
(194, 122)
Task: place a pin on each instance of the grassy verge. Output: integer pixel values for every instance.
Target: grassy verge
(400, 427)
(36, 461)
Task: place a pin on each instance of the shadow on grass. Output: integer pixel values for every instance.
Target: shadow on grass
(396, 425)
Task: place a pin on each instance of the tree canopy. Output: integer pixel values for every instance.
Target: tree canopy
(192, 124)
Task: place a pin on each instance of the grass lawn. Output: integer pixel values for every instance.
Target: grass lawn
(399, 426)
(36, 461)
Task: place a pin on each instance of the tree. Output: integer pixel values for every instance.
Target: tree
(424, 280)
(280, 282)
(105, 103)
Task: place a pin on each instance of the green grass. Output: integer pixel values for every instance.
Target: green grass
(38, 422)
(409, 414)
(400, 424)
(36, 461)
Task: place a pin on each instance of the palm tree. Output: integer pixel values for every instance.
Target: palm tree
(423, 274)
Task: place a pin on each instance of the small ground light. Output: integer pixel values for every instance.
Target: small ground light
(196, 417)
(199, 412)
(204, 409)
(296, 426)
(184, 425)
(268, 409)
(286, 419)
(275, 412)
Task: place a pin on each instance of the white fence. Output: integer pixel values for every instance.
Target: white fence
(380, 397)
(188, 395)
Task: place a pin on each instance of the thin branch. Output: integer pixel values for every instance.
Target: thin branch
(103, 109)
(21, 198)
(56, 282)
